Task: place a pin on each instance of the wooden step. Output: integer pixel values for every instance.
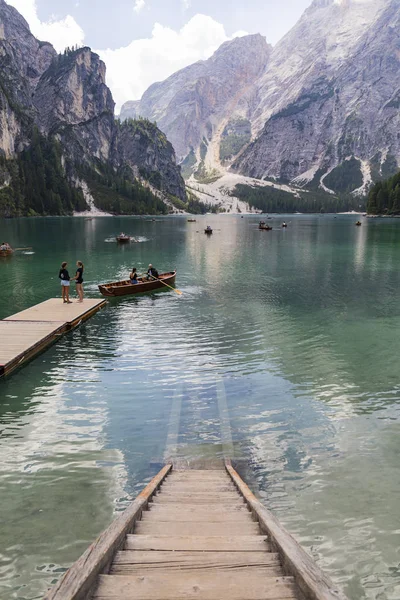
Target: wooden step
(199, 473)
(180, 585)
(195, 528)
(198, 486)
(192, 543)
(128, 561)
(203, 496)
(227, 504)
(208, 514)
(204, 476)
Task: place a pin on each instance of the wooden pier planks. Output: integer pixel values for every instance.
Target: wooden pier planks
(20, 341)
(27, 333)
(55, 310)
(158, 550)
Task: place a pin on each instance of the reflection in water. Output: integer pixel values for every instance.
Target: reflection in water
(293, 332)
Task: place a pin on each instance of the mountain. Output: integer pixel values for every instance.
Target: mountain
(207, 102)
(61, 148)
(328, 104)
(320, 110)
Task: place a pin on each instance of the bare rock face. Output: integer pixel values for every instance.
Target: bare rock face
(73, 101)
(23, 59)
(331, 93)
(326, 94)
(65, 96)
(129, 110)
(193, 106)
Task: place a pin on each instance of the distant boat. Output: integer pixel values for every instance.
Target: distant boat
(122, 238)
(263, 226)
(208, 230)
(284, 224)
(8, 251)
(358, 224)
(126, 288)
(191, 220)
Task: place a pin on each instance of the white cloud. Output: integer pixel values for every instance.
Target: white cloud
(131, 69)
(139, 5)
(61, 33)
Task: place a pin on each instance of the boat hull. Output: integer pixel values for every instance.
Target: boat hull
(6, 252)
(125, 288)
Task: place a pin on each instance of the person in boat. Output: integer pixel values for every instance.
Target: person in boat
(5, 246)
(284, 224)
(133, 276)
(208, 228)
(65, 283)
(152, 273)
(79, 280)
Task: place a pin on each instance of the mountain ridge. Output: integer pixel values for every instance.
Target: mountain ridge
(326, 97)
(64, 98)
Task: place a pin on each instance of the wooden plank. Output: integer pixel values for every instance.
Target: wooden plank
(193, 528)
(55, 310)
(198, 486)
(213, 543)
(197, 570)
(209, 514)
(80, 578)
(198, 489)
(21, 341)
(199, 476)
(143, 560)
(313, 583)
(219, 496)
(186, 586)
(163, 499)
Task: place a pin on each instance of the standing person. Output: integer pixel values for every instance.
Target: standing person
(65, 283)
(79, 280)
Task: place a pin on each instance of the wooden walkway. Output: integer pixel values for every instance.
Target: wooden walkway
(27, 333)
(203, 536)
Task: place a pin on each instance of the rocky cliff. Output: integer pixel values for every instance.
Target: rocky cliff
(194, 106)
(64, 98)
(320, 109)
(328, 105)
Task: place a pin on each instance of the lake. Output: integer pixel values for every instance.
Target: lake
(285, 341)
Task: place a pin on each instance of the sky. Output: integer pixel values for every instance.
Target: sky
(144, 41)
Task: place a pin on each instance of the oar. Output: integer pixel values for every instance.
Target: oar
(170, 286)
(30, 248)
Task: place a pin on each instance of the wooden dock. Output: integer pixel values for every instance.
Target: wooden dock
(27, 333)
(195, 535)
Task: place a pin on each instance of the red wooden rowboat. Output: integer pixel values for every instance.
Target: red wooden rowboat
(126, 288)
(7, 251)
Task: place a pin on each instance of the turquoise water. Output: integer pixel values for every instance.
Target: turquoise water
(284, 341)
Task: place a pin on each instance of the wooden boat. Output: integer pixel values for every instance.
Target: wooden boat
(123, 239)
(195, 534)
(264, 227)
(8, 252)
(358, 224)
(208, 231)
(126, 288)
